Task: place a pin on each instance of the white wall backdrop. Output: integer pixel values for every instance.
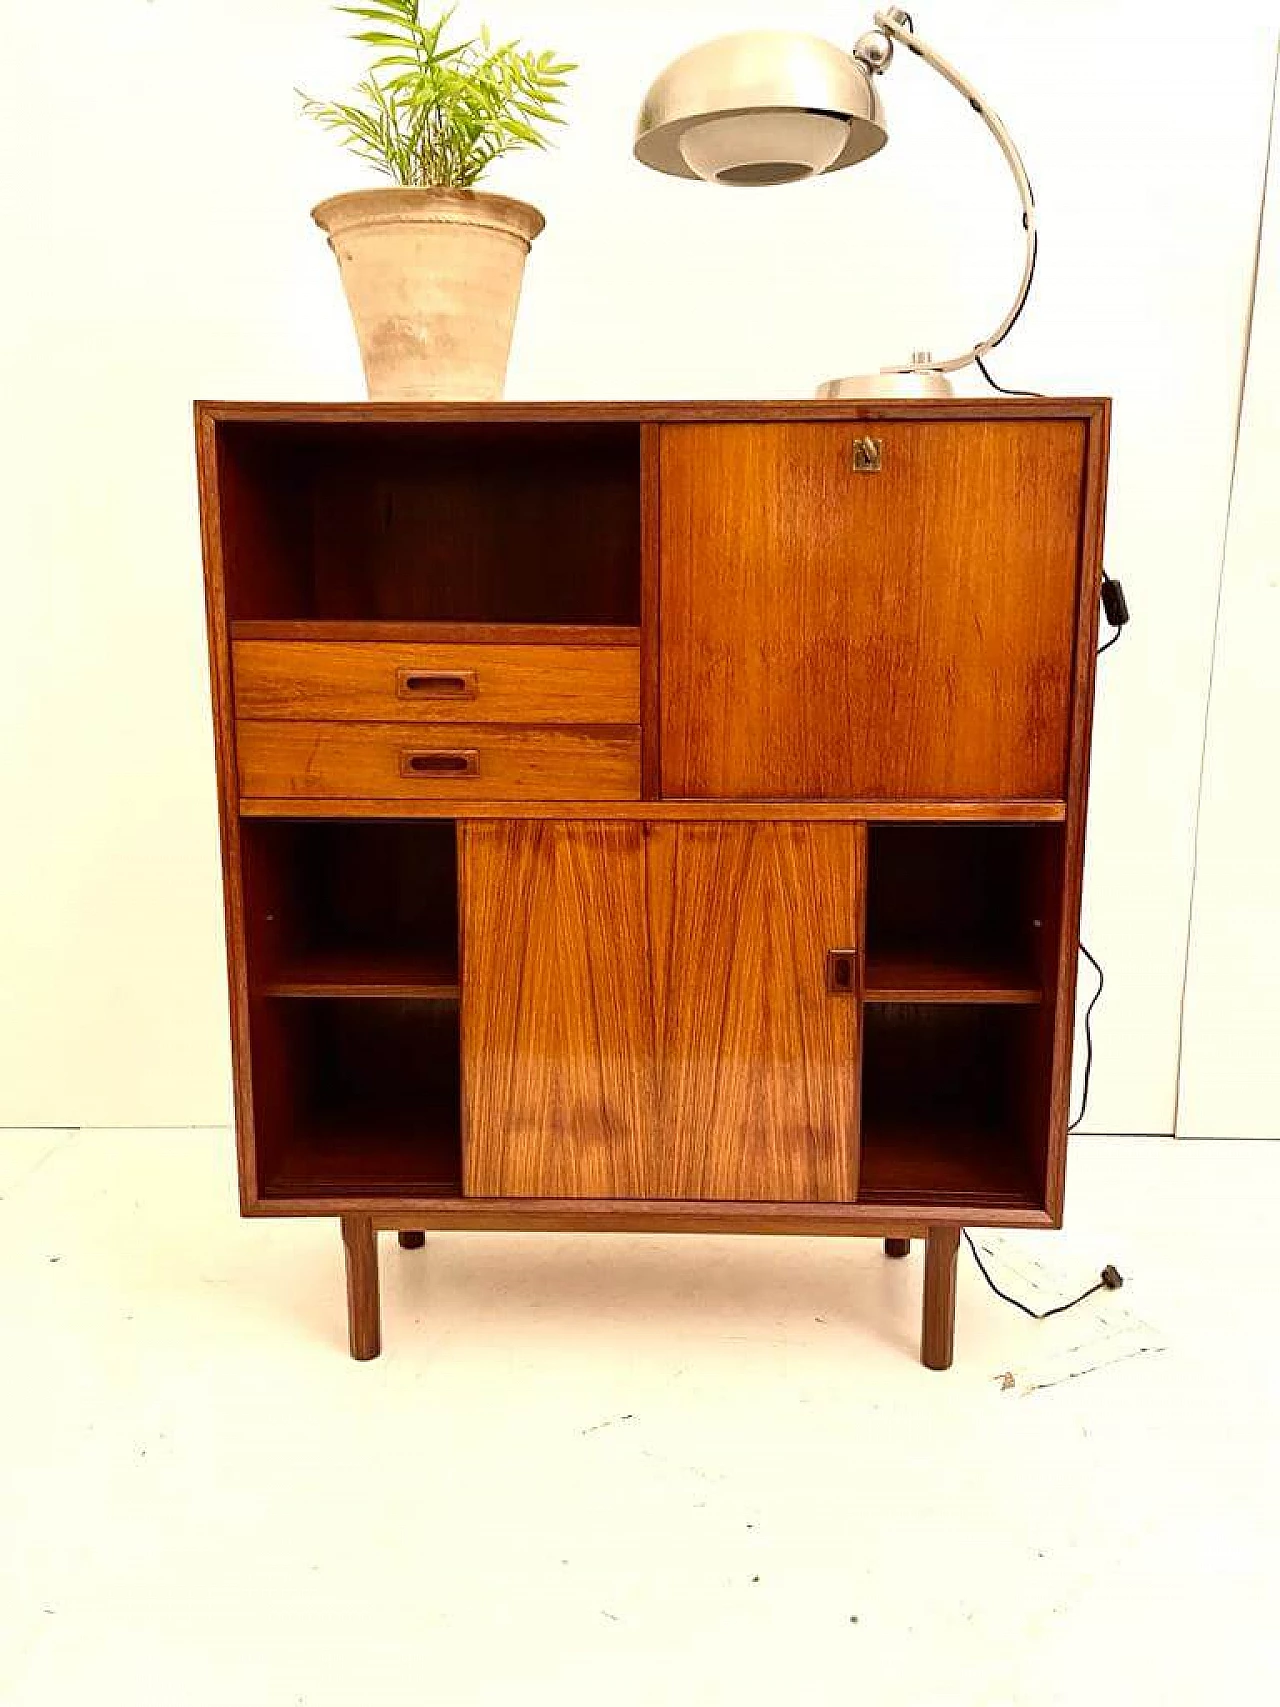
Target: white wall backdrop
(1230, 1080)
(156, 178)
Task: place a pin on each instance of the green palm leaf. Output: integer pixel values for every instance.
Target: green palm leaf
(444, 114)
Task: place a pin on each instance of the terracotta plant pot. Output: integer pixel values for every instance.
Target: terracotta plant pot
(433, 281)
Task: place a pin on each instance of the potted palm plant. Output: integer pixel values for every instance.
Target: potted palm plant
(432, 267)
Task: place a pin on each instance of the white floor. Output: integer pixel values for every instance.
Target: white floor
(641, 1471)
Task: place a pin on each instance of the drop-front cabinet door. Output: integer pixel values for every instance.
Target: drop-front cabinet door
(868, 610)
(649, 1010)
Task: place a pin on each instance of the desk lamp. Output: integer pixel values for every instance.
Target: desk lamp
(774, 106)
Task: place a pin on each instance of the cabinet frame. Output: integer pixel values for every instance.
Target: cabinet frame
(228, 503)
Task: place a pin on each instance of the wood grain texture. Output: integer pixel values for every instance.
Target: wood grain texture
(437, 633)
(441, 1210)
(674, 811)
(938, 1317)
(650, 612)
(364, 1314)
(645, 1011)
(228, 790)
(842, 635)
(375, 682)
(757, 1060)
(1069, 896)
(933, 978)
(309, 414)
(334, 974)
(343, 761)
(557, 1036)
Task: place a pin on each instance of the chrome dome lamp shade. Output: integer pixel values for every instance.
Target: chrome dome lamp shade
(776, 106)
(763, 107)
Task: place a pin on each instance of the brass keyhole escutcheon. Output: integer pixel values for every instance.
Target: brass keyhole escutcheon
(867, 455)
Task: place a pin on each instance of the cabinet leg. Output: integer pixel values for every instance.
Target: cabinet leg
(938, 1326)
(411, 1241)
(364, 1318)
(897, 1247)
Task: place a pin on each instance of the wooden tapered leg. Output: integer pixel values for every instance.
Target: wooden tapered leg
(938, 1327)
(364, 1318)
(897, 1247)
(412, 1241)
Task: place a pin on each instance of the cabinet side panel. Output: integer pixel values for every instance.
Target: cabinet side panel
(759, 1058)
(216, 601)
(1085, 668)
(557, 1029)
(904, 632)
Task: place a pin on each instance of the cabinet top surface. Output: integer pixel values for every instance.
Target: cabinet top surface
(662, 412)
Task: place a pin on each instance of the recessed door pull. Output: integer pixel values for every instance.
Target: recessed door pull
(436, 684)
(842, 971)
(440, 763)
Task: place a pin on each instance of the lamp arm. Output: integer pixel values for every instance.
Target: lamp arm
(904, 32)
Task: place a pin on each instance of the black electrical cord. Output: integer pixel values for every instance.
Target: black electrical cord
(1110, 1280)
(1117, 613)
(1088, 1036)
(1005, 390)
(983, 369)
(1115, 608)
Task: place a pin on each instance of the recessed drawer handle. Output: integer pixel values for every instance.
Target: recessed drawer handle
(842, 971)
(436, 684)
(464, 762)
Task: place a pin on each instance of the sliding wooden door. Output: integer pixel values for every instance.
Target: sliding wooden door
(648, 1010)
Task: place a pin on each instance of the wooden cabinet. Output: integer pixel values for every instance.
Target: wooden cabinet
(649, 1010)
(653, 816)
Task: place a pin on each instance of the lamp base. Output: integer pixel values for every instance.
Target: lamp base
(915, 382)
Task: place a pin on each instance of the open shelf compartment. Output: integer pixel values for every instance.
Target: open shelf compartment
(356, 1098)
(352, 958)
(962, 912)
(342, 909)
(953, 1105)
(479, 522)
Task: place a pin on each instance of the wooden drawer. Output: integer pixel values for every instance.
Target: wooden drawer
(387, 761)
(383, 681)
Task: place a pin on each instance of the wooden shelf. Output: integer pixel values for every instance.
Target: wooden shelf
(383, 1156)
(390, 974)
(927, 812)
(357, 1097)
(921, 976)
(441, 633)
(939, 1161)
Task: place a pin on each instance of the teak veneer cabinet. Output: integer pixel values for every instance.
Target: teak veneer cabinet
(654, 816)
